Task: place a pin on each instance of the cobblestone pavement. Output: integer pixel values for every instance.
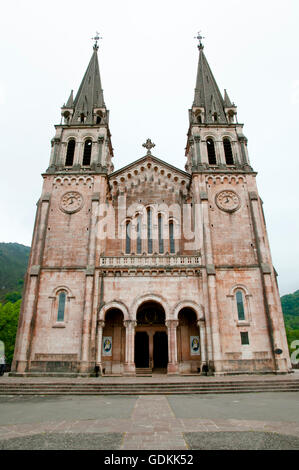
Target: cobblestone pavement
(270, 420)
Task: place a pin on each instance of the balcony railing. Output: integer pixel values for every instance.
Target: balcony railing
(149, 260)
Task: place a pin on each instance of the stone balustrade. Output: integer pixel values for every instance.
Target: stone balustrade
(149, 261)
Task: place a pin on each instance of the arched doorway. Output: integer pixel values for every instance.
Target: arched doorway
(113, 342)
(189, 353)
(151, 341)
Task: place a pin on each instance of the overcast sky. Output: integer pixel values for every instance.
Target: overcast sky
(148, 60)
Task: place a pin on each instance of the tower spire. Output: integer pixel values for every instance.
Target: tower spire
(89, 100)
(207, 94)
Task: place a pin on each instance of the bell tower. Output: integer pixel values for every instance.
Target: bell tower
(245, 318)
(61, 271)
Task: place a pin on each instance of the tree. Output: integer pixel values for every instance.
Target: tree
(9, 317)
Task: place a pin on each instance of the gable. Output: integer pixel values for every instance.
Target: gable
(149, 174)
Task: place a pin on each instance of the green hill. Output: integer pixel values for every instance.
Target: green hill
(290, 307)
(13, 265)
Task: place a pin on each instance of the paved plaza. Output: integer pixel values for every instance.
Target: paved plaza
(267, 420)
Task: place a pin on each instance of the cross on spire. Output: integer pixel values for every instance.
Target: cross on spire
(96, 39)
(199, 37)
(148, 145)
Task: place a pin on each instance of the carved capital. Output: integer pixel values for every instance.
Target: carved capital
(130, 323)
(171, 324)
(101, 139)
(101, 323)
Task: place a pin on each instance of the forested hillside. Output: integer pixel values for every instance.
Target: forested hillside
(13, 264)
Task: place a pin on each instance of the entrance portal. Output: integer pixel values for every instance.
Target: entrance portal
(151, 342)
(160, 350)
(141, 349)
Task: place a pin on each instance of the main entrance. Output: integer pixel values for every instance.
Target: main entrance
(151, 341)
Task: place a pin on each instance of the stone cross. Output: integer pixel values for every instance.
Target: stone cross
(148, 145)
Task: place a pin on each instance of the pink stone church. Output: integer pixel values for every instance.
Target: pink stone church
(150, 268)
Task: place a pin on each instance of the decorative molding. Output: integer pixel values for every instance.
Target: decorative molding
(228, 179)
(73, 180)
(34, 270)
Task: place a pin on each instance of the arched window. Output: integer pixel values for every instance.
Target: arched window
(61, 306)
(98, 120)
(69, 160)
(139, 234)
(82, 118)
(171, 237)
(228, 152)
(87, 152)
(128, 237)
(160, 234)
(199, 119)
(215, 117)
(211, 152)
(240, 305)
(149, 231)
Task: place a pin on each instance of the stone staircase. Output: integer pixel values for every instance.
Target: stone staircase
(144, 372)
(148, 388)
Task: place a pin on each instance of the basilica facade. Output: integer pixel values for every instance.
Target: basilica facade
(150, 268)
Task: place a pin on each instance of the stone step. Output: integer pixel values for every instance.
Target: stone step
(150, 385)
(143, 392)
(132, 389)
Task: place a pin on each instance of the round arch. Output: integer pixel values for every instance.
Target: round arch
(111, 305)
(239, 287)
(149, 298)
(198, 309)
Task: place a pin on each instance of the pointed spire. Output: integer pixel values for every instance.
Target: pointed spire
(90, 93)
(70, 101)
(227, 101)
(207, 94)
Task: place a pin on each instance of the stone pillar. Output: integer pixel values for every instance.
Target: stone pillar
(151, 348)
(129, 366)
(220, 159)
(272, 310)
(100, 150)
(243, 143)
(212, 289)
(172, 367)
(54, 159)
(202, 334)
(86, 327)
(22, 354)
(89, 287)
(25, 333)
(101, 325)
(197, 149)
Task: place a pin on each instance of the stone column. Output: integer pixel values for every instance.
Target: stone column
(172, 367)
(202, 334)
(243, 143)
(129, 366)
(100, 150)
(54, 159)
(151, 348)
(101, 325)
(197, 149)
